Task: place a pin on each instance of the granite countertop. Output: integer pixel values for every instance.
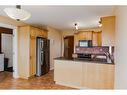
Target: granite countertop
(97, 60)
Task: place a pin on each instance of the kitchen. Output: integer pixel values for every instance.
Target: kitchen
(91, 65)
(89, 56)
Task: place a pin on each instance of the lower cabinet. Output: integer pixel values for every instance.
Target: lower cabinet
(84, 74)
(98, 76)
(68, 73)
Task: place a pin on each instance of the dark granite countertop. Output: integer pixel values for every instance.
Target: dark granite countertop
(97, 60)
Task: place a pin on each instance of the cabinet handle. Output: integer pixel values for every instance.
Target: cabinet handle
(30, 57)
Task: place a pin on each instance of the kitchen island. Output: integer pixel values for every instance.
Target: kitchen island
(84, 73)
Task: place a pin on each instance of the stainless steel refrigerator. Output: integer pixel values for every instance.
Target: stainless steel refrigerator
(42, 54)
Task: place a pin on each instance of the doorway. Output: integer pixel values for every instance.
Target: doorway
(14, 48)
(6, 49)
(68, 46)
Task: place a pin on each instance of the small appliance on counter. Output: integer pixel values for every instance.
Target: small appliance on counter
(42, 56)
(74, 56)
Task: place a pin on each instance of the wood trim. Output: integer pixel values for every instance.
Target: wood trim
(6, 30)
(0, 44)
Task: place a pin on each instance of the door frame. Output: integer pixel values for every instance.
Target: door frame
(15, 47)
(64, 44)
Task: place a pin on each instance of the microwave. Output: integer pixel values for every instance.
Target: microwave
(85, 43)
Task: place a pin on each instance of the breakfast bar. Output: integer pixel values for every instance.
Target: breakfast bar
(89, 68)
(84, 73)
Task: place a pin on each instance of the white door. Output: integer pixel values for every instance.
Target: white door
(7, 47)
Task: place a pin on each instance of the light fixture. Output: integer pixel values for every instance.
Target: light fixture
(100, 23)
(17, 13)
(76, 26)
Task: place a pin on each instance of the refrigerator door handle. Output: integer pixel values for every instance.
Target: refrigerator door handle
(41, 58)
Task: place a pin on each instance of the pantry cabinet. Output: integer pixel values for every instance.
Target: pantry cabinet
(27, 49)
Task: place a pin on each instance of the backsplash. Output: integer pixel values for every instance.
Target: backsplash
(101, 50)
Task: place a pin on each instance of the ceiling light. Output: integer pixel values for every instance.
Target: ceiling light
(100, 23)
(76, 26)
(17, 13)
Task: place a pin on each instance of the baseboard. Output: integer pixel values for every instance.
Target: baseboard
(1, 71)
(16, 77)
(72, 85)
(68, 85)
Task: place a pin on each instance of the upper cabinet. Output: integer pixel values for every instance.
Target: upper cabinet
(84, 35)
(108, 31)
(36, 32)
(88, 35)
(97, 38)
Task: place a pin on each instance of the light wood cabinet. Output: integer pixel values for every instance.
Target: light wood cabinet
(98, 76)
(68, 72)
(32, 56)
(108, 31)
(96, 38)
(79, 74)
(27, 49)
(88, 35)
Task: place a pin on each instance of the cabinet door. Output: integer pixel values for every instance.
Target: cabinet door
(42, 33)
(68, 72)
(39, 33)
(106, 76)
(88, 35)
(32, 56)
(84, 35)
(89, 75)
(33, 32)
(45, 34)
(97, 39)
(98, 76)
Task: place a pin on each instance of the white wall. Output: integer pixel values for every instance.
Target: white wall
(55, 44)
(121, 48)
(7, 47)
(1, 62)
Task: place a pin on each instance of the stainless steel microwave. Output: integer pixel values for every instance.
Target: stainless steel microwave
(85, 43)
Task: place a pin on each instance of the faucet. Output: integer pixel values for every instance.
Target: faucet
(108, 57)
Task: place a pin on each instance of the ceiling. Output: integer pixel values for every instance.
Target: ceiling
(64, 17)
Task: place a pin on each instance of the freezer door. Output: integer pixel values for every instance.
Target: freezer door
(39, 55)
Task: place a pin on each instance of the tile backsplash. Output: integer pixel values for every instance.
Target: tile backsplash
(95, 50)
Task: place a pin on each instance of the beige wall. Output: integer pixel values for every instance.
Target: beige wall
(55, 38)
(10, 21)
(67, 33)
(121, 48)
(108, 31)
